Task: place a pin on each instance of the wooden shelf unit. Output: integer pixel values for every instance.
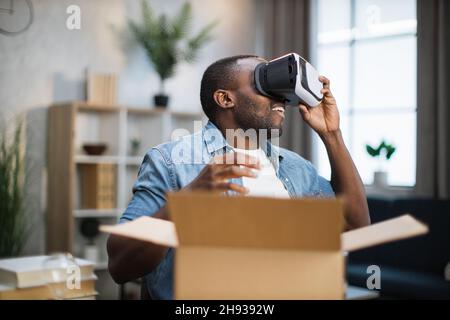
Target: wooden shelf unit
(74, 123)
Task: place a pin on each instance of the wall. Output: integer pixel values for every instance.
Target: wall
(47, 64)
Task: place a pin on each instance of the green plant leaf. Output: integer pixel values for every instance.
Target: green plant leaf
(13, 223)
(195, 43)
(390, 150)
(166, 41)
(372, 152)
(382, 145)
(148, 17)
(181, 23)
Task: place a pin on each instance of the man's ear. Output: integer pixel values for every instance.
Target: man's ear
(224, 98)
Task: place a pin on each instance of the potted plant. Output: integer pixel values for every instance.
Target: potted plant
(167, 42)
(89, 228)
(135, 146)
(13, 223)
(384, 152)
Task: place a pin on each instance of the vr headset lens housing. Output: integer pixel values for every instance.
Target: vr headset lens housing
(290, 79)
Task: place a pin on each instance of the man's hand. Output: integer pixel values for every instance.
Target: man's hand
(345, 179)
(215, 175)
(323, 118)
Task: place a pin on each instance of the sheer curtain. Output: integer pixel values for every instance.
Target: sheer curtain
(433, 116)
(284, 26)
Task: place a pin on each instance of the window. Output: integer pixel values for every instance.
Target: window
(368, 50)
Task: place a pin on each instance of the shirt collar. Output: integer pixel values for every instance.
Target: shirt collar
(217, 144)
(213, 139)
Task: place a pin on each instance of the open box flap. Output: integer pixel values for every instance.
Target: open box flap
(164, 233)
(307, 224)
(386, 231)
(205, 219)
(147, 229)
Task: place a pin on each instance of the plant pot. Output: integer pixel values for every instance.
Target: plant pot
(161, 100)
(380, 179)
(134, 152)
(91, 253)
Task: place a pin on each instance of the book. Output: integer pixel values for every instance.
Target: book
(27, 272)
(102, 88)
(98, 186)
(86, 290)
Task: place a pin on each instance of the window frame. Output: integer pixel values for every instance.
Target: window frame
(349, 39)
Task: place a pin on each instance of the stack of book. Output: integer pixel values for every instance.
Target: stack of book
(102, 89)
(98, 186)
(28, 278)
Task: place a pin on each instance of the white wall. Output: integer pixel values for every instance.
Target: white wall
(47, 64)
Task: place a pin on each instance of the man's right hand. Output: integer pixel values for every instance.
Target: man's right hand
(215, 175)
(130, 259)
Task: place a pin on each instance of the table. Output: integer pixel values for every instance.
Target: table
(357, 293)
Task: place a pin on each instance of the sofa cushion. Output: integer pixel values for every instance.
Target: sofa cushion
(429, 253)
(401, 283)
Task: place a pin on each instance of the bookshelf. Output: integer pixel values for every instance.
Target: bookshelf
(70, 126)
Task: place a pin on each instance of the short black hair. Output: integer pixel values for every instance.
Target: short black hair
(219, 75)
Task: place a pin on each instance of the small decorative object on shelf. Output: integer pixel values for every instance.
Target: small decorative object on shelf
(135, 146)
(89, 228)
(95, 149)
(384, 152)
(167, 42)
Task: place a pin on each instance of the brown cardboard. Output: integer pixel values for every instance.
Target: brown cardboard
(244, 248)
(259, 248)
(216, 221)
(387, 231)
(146, 229)
(231, 273)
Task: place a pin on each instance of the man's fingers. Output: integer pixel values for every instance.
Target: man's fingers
(235, 171)
(238, 188)
(236, 158)
(325, 81)
(225, 186)
(304, 111)
(326, 92)
(303, 108)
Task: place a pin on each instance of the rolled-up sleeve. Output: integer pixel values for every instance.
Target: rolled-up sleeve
(325, 189)
(321, 187)
(153, 181)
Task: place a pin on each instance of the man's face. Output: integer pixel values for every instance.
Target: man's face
(253, 110)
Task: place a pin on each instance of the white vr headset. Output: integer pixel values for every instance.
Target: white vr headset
(289, 78)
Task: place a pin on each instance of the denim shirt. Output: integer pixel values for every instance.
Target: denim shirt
(173, 165)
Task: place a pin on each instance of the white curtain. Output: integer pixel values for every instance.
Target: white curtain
(285, 27)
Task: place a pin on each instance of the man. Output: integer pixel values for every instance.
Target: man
(235, 164)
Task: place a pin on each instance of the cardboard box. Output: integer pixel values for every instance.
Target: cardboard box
(260, 248)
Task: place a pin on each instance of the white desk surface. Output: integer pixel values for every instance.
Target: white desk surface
(357, 293)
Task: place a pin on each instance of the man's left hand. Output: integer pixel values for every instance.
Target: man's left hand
(324, 118)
